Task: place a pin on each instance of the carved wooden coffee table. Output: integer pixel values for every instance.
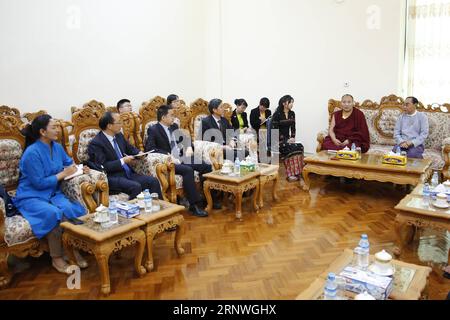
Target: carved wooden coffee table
(92, 238)
(369, 167)
(410, 280)
(413, 213)
(155, 223)
(236, 185)
(268, 173)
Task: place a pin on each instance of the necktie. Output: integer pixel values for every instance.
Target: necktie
(119, 154)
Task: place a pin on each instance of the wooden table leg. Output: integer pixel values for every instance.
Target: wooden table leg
(140, 239)
(178, 233)
(207, 192)
(238, 196)
(305, 175)
(102, 256)
(255, 198)
(68, 249)
(151, 232)
(260, 193)
(274, 190)
(405, 235)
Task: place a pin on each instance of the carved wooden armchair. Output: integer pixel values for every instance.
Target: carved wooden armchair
(16, 236)
(86, 128)
(10, 111)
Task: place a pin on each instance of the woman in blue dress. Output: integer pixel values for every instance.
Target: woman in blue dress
(44, 164)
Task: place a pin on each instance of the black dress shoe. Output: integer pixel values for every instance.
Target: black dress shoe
(196, 211)
(217, 206)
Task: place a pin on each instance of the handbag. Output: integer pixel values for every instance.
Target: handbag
(10, 209)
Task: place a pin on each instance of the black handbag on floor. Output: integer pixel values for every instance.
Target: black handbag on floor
(11, 210)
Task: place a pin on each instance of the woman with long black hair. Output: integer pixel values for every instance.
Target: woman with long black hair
(44, 164)
(291, 152)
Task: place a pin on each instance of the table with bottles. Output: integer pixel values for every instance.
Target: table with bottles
(410, 280)
(236, 184)
(368, 167)
(167, 216)
(417, 210)
(101, 241)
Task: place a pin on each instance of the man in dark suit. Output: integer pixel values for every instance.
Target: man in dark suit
(260, 114)
(162, 138)
(111, 153)
(216, 128)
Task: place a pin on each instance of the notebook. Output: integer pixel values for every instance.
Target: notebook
(79, 172)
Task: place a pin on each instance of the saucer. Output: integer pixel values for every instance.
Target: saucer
(226, 172)
(441, 206)
(387, 273)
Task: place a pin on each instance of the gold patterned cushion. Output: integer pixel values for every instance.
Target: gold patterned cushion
(17, 230)
(10, 154)
(202, 150)
(147, 166)
(85, 138)
(439, 124)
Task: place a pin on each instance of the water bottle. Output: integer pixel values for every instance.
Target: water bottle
(112, 210)
(330, 291)
(426, 193)
(147, 201)
(237, 166)
(353, 146)
(364, 246)
(435, 179)
(398, 150)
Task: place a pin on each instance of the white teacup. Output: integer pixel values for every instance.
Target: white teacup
(441, 199)
(140, 200)
(383, 262)
(447, 185)
(226, 170)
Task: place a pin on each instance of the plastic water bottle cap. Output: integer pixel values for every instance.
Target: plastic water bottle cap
(364, 236)
(331, 276)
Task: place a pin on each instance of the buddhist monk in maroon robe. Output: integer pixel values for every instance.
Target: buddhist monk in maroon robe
(347, 126)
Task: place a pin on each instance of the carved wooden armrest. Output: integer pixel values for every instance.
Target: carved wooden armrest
(320, 137)
(81, 189)
(209, 152)
(156, 165)
(2, 221)
(446, 154)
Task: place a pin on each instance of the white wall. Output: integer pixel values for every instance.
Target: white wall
(199, 48)
(134, 48)
(309, 49)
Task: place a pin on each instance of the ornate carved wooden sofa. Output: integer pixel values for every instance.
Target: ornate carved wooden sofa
(381, 118)
(16, 236)
(86, 127)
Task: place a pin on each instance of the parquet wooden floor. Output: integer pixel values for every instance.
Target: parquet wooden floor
(273, 255)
